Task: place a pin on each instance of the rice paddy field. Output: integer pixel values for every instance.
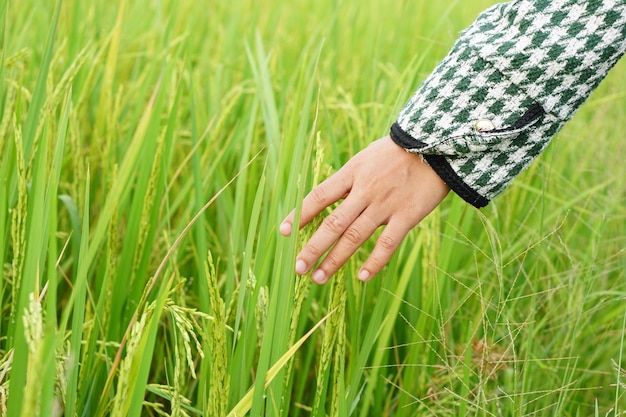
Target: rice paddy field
(149, 150)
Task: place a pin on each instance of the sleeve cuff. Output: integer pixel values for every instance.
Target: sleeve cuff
(442, 167)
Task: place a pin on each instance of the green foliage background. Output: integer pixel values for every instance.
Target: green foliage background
(150, 149)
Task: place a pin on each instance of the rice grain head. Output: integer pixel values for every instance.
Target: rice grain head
(18, 218)
(220, 380)
(33, 331)
(260, 312)
(332, 346)
(187, 328)
(125, 370)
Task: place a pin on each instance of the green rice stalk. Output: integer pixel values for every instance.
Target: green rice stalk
(5, 366)
(65, 83)
(338, 398)
(95, 353)
(231, 311)
(199, 174)
(245, 404)
(167, 392)
(113, 248)
(23, 93)
(78, 168)
(59, 93)
(35, 107)
(155, 279)
(3, 401)
(5, 268)
(187, 327)
(217, 402)
(34, 333)
(22, 57)
(429, 231)
(149, 200)
(338, 300)
(120, 187)
(3, 47)
(110, 146)
(129, 364)
(331, 345)
(47, 370)
(379, 333)
(156, 408)
(62, 357)
(16, 65)
(621, 376)
(250, 294)
(141, 225)
(18, 219)
(144, 360)
(302, 282)
(260, 313)
(175, 402)
(8, 114)
(105, 101)
(621, 372)
(77, 305)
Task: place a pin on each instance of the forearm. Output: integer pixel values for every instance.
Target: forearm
(524, 67)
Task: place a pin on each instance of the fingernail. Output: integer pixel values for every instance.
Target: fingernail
(300, 267)
(364, 274)
(319, 276)
(285, 229)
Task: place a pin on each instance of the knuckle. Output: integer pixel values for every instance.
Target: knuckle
(335, 223)
(318, 194)
(353, 235)
(387, 242)
(332, 262)
(313, 250)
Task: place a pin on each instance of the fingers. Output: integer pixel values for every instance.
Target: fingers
(329, 232)
(385, 247)
(347, 244)
(322, 196)
(352, 238)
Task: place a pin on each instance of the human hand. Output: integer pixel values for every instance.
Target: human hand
(381, 185)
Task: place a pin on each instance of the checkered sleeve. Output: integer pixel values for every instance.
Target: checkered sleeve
(511, 81)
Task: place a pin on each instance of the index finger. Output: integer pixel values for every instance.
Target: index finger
(328, 192)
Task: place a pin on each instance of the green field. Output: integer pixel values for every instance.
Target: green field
(149, 151)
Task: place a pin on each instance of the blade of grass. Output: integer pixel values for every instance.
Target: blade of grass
(34, 110)
(78, 310)
(50, 343)
(199, 232)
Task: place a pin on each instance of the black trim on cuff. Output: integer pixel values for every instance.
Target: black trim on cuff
(403, 139)
(440, 165)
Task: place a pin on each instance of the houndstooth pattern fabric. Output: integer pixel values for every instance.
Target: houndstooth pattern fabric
(525, 66)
